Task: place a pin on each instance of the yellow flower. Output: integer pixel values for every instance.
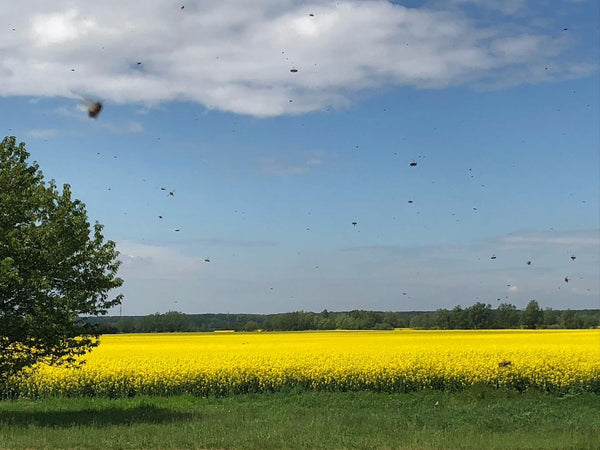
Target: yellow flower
(229, 363)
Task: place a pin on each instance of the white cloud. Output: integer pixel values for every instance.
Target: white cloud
(56, 28)
(42, 133)
(385, 277)
(154, 261)
(143, 261)
(279, 167)
(589, 292)
(237, 56)
(220, 242)
(467, 273)
(123, 128)
(505, 6)
(577, 239)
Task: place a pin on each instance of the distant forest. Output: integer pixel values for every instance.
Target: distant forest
(480, 316)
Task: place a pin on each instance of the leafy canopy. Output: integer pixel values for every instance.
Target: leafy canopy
(54, 268)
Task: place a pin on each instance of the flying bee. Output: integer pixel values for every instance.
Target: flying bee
(94, 109)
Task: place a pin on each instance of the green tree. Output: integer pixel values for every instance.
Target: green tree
(390, 318)
(54, 268)
(532, 315)
(459, 318)
(479, 316)
(345, 322)
(549, 317)
(126, 326)
(172, 321)
(442, 319)
(422, 321)
(251, 325)
(569, 319)
(324, 321)
(507, 316)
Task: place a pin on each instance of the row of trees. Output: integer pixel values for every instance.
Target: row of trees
(177, 321)
(478, 316)
(482, 316)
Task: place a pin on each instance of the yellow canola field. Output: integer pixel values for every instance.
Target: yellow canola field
(387, 361)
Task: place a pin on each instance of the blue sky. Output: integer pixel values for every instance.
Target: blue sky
(496, 102)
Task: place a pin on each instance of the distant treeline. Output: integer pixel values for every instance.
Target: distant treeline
(477, 317)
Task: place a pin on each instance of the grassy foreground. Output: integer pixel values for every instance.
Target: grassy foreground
(478, 418)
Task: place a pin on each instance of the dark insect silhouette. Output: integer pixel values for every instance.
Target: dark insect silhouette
(293, 70)
(177, 229)
(94, 109)
(207, 260)
(163, 189)
(354, 223)
(566, 279)
(413, 164)
(410, 201)
(160, 217)
(573, 258)
(493, 257)
(528, 263)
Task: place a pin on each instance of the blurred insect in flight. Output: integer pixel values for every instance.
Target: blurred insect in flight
(92, 107)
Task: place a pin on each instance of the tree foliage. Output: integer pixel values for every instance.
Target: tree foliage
(54, 268)
(532, 315)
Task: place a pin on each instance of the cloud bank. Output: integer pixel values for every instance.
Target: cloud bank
(382, 277)
(264, 58)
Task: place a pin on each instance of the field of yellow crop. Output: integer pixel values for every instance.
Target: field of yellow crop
(387, 361)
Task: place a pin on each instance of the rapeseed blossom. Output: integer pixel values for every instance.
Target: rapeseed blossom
(385, 361)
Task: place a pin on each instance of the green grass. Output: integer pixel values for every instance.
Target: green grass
(479, 418)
